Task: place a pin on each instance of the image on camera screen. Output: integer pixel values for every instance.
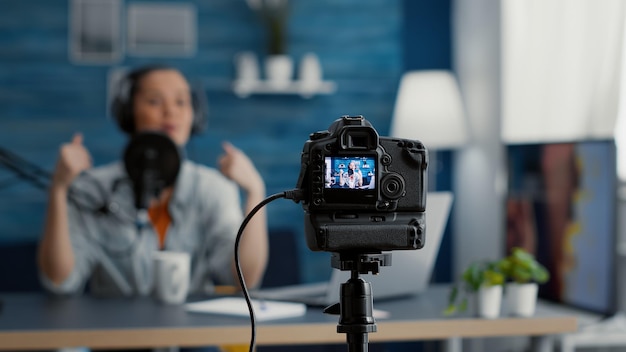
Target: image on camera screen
(350, 172)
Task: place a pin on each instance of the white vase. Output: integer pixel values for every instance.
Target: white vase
(247, 73)
(310, 69)
(521, 299)
(310, 74)
(279, 70)
(247, 67)
(489, 301)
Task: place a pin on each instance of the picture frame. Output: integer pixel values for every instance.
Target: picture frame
(95, 31)
(161, 29)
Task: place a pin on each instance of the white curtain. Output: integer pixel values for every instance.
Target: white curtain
(561, 63)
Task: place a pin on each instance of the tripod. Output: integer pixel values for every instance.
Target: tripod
(355, 306)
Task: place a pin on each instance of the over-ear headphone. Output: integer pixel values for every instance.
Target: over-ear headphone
(122, 103)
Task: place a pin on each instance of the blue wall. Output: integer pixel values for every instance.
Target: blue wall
(45, 97)
(428, 34)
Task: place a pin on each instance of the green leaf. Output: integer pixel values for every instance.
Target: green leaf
(451, 309)
(453, 295)
(521, 266)
(463, 305)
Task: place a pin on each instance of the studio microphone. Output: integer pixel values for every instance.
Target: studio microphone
(152, 161)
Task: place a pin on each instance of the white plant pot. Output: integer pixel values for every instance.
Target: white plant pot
(489, 301)
(310, 70)
(247, 67)
(279, 70)
(521, 299)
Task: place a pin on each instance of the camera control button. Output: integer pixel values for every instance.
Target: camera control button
(319, 135)
(346, 216)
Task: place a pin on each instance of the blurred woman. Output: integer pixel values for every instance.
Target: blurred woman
(90, 235)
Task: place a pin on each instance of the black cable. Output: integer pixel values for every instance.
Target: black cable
(24, 169)
(39, 177)
(11, 158)
(294, 194)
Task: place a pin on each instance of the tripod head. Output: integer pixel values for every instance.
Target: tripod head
(363, 263)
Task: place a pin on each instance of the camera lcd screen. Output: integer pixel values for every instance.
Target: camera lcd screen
(352, 173)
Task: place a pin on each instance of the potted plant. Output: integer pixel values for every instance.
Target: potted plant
(524, 274)
(278, 64)
(482, 280)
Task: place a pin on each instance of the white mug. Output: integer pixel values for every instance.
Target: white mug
(171, 276)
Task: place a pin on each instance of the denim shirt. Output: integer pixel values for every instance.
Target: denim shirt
(114, 254)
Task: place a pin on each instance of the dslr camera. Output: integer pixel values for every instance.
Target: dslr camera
(361, 192)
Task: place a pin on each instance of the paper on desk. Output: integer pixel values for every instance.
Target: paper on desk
(263, 310)
(381, 314)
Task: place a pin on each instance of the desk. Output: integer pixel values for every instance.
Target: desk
(36, 321)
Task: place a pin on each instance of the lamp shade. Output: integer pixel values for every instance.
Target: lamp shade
(429, 108)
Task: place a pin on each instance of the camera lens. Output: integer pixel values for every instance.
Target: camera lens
(392, 186)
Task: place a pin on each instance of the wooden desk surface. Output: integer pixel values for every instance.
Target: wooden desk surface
(36, 321)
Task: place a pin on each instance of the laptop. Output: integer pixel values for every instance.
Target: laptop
(409, 273)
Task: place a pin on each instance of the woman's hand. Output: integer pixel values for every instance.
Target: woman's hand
(73, 159)
(236, 165)
(56, 255)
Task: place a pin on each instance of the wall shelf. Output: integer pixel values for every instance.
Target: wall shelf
(297, 87)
